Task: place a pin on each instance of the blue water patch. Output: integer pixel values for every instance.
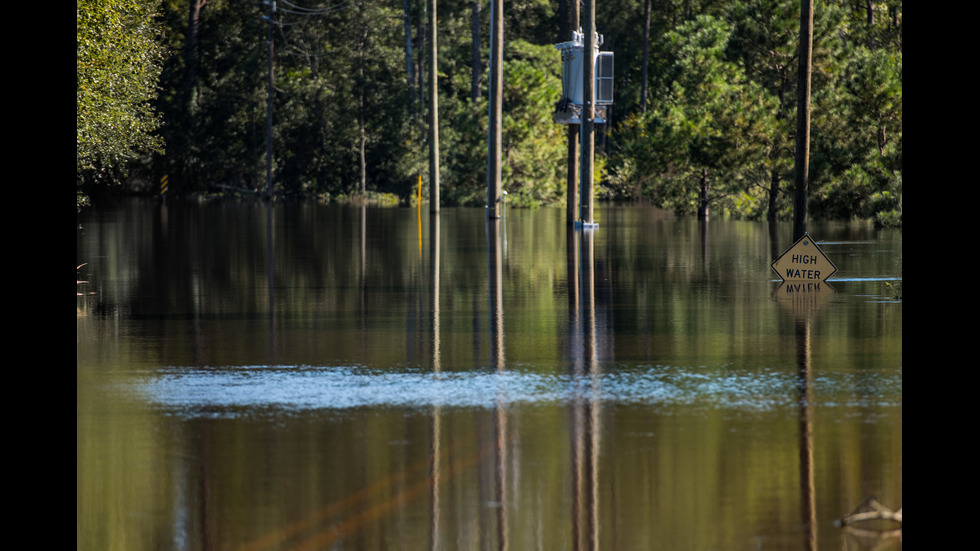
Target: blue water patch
(312, 388)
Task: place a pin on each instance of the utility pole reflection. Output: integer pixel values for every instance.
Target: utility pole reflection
(809, 508)
(802, 301)
(435, 464)
(495, 238)
(270, 262)
(585, 400)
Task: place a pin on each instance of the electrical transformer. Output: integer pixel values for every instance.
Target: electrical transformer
(568, 110)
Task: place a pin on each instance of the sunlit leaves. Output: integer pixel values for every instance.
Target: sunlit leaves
(720, 91)
(705, 128)
(534, 147)
(118, 59)
(872, 81)
(723, 101)
(858, 134)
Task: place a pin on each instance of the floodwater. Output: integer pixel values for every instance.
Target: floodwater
(255, 377)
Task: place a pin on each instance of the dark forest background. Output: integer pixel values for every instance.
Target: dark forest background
(705, 98)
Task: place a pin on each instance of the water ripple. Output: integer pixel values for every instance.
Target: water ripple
(310, 388)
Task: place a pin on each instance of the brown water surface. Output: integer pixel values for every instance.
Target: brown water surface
(327, 377)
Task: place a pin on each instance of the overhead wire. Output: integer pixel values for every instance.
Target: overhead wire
(296, 9)
(304, 13)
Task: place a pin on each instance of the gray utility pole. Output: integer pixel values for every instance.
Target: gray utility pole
(268, 122)
(433, 110)
(803, 121)
(496, 107)
(571, 186)
(588, 114)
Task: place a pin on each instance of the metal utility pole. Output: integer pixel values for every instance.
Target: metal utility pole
(588, 114)
(433, 110)
(268, 122)
(496, 107)
(571, 186)
(587, 92)
(803, 121)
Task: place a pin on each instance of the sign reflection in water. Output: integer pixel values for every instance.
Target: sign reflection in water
(254, 377)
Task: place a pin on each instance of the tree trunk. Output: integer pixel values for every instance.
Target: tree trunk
(269, 108)
(803, 121)
(703, 196)
(362, 104)
(190, 53)
(409, 55)
(476, 73)
(772, 214)
(420, 73)
(646, 57)
(363, 159)
(187, 178)
(775, 177)
(433, 109)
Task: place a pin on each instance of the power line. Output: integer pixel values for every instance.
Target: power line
(296, 9)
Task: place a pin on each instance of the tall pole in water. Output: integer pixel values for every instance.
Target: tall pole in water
(588, 112)
(571, 185)
(433, 110)
(496, 106)
(803, 121)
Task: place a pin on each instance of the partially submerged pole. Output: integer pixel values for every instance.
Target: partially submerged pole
(571, 185)
(803, 121)
(587, 92)
(496, 107)
(588, 114)
(433, 110)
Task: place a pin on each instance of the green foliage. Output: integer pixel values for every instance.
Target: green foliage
(351, 89)
(859, 139)
(118, 62)
(706, 133)
(533, 145)
(215, 96)
(721, 126)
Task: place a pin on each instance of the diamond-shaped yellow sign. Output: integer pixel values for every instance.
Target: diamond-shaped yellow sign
(804, 261)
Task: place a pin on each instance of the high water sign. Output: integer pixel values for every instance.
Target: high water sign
(804, 261)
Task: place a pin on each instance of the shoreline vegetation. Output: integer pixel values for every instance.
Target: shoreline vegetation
(703, 113)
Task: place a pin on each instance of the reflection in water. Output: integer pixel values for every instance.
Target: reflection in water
(585, 408)
(802, 300)
(436, 466)
(496, 235)
(270, 278)
(434, 287)
(806, 433)
(704, 414)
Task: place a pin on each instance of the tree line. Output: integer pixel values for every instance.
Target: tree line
(704, 112)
